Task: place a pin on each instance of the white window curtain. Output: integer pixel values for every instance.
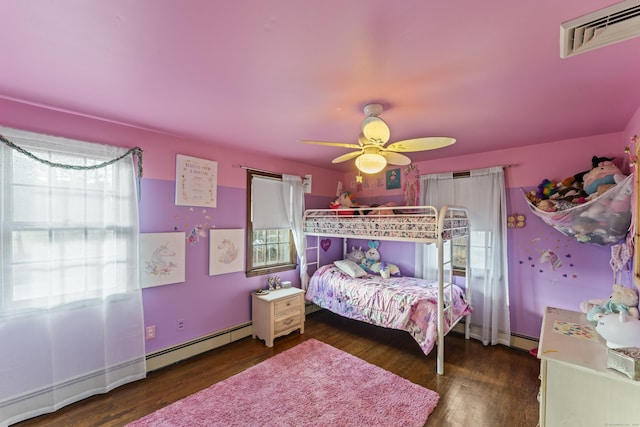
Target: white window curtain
(293, 199)
(483, 194)
(71, 320)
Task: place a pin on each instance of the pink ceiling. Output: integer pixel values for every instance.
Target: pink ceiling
(262, 74)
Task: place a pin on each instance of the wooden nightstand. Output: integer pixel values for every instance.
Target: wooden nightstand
(277, 313)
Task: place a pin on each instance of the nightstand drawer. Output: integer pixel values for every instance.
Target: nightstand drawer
(284, 323)
(285, 305)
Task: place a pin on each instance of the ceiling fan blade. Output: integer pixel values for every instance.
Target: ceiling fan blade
(346, 157)
(332, 144)
(376, 130)
(396, 158)
(421, 144)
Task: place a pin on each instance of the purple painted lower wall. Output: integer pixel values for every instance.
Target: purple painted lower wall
(206, 304)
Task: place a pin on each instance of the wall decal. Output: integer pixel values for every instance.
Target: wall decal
(516, 220)
(226, 251)
(162, 258)
(325, 244)
(200, 230)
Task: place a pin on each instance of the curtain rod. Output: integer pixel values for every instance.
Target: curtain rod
(465, 173)
(261, 170)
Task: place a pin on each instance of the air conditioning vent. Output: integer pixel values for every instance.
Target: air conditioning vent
(601, 28)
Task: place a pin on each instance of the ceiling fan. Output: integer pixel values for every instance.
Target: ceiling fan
(371, 153)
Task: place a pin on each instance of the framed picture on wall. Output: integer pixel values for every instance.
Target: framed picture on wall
(393, 179)
(226, 251)
(196, 181)
(162, 258)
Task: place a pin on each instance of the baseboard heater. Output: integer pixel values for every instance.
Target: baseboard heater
(171, 355)
(518, 341)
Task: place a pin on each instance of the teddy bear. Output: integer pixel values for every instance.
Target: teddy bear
(623, 300)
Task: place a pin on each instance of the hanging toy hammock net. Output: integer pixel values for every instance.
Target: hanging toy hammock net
(604, 220)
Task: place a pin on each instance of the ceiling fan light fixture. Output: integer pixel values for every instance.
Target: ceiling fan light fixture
(371, 163)
(375, 129)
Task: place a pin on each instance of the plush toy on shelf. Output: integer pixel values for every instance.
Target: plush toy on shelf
(623, 300)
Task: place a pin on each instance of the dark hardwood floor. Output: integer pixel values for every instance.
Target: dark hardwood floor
(481, 386)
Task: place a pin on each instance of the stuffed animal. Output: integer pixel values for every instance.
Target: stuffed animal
(623, 300)
(602, 177)
(372, 255)
(578, 179)
(546, 189)
(344, 201)
(356, 255)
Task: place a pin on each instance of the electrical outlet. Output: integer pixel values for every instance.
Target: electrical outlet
(180, 324)
(150, 332)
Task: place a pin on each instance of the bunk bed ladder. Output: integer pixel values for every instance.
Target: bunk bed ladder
(314, 248)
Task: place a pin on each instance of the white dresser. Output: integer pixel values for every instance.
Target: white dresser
(576, 387)
(277, 313)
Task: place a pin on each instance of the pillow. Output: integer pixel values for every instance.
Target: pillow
(394, 271)
(350, 268)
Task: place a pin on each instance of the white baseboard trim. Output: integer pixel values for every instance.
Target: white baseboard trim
(171, 355)
(516, 341)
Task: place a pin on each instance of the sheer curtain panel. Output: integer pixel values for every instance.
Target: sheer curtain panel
(71, 322)
(483, 194)
(293, 196)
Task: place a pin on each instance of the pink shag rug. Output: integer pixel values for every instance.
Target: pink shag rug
(311, 384)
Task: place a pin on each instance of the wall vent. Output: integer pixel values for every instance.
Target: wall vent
(606, 26)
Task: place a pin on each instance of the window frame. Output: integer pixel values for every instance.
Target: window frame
(250, 270)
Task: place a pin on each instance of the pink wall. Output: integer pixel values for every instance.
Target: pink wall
(210, 303)
(207, 304)
(159, 149)
(586, 272)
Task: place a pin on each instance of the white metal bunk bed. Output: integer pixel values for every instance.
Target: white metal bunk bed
(419, 224)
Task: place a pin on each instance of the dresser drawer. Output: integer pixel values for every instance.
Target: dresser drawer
(284, 323)
(284, 306)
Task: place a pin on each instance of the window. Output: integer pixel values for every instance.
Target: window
(479, 250)
(270, 246)
(66, 233)
(479, 241)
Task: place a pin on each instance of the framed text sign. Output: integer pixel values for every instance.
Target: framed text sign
(196, 181)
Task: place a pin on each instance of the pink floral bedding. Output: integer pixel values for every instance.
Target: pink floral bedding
(405, 303)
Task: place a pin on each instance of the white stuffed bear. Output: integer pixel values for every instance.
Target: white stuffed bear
(623, 300)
